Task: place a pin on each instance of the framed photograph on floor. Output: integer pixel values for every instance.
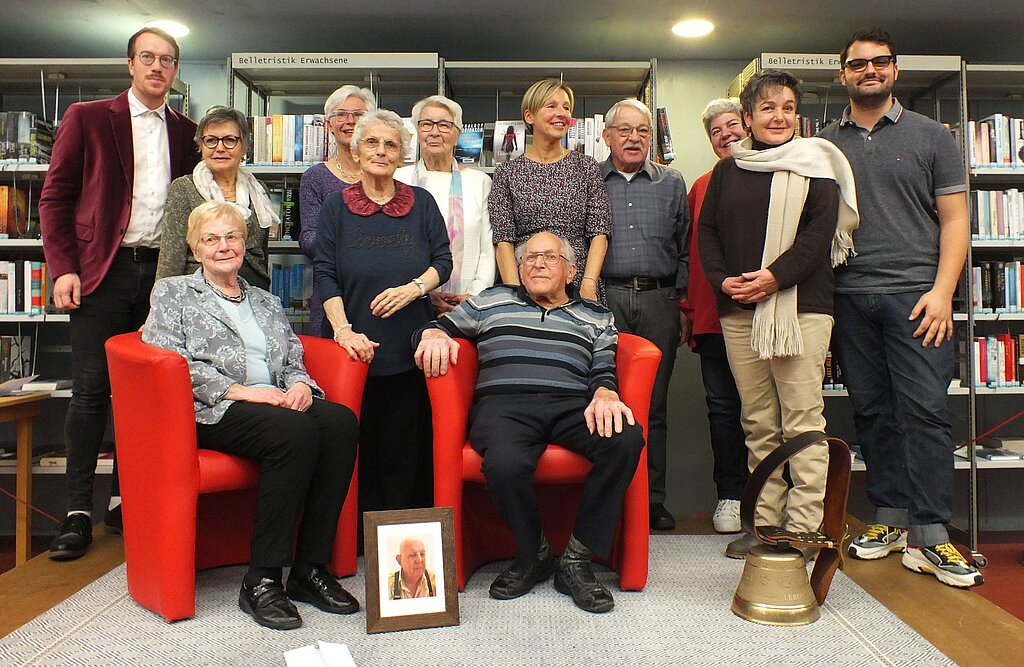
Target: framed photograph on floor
(410, 569)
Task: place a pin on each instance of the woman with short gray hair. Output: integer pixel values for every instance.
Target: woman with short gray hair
(223, 138)
(461, 194)
(342, 110)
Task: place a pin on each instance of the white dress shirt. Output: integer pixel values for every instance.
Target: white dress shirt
(152, 173)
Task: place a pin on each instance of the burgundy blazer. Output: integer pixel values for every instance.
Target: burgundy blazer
(86, 200)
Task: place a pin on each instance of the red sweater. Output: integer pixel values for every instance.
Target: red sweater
(700, 306)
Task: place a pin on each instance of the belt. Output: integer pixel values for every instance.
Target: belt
(641, 284)
(139, 253)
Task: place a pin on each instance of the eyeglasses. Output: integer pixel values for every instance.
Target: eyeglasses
(547, 258)
(147, 58)
(861, 64)
(373, 143)
(343, 115)
(625, 131)
(443, 126)
(211, 141)
(213, 240)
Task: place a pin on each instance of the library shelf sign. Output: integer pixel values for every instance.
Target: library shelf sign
(286, 60)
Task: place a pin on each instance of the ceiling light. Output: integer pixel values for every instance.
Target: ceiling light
(173, 28)
(693, 28)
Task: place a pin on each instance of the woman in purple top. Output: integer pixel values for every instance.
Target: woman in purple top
(550, 188)
(342, 110)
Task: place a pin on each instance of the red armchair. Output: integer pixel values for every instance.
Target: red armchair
(480, 534)
(188, 509)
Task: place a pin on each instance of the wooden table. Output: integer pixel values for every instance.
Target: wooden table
(21, 409)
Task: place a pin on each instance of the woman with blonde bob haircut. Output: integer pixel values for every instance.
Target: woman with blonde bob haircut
(550, 188)
(461, 194)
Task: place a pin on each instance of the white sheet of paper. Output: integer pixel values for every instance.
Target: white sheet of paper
(335, 655)
(307, 656)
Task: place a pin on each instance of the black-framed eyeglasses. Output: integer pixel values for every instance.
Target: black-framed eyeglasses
(344, 115)
(211, 141)
(548, 258)
(625, 131)
(443, 126)
(861, 64)
(373, 143)
(147, 58)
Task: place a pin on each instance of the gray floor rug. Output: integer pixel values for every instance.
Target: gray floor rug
(682, 618)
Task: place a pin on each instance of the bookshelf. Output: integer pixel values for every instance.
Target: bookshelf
(491, 90)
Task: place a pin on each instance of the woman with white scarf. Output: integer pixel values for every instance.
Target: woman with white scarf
(461, 194)
(223, 138)
(776, 218)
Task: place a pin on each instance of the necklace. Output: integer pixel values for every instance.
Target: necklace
(347, 176)
(239, 298)
(380, 199)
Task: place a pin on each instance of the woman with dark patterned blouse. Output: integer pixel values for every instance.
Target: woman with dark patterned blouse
(550, 188)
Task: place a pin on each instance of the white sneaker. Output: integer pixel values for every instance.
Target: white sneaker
(727, 516)
(945, 562)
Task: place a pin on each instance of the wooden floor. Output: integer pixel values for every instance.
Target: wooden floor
(966, 627)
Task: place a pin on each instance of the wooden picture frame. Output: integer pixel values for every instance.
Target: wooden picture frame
(399, 540)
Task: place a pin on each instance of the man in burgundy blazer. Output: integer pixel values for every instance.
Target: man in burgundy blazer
(100, 212)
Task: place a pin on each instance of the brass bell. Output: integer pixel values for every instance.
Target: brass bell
(774, 588)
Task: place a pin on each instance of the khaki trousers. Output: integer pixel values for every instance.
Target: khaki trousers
(781, 398)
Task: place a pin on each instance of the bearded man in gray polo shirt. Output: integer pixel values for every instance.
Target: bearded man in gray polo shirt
(893, 310)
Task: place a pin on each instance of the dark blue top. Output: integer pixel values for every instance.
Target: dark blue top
(358, 257)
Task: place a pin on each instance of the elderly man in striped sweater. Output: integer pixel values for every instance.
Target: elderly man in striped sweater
(547, 374)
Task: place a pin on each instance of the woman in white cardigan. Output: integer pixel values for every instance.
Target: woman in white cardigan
(461, 194)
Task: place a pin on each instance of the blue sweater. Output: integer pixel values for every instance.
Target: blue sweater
(358, 257)
(526, 349)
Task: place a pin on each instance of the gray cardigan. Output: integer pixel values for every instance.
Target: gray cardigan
(185, 317)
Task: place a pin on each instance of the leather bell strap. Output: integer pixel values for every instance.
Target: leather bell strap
(833, 526)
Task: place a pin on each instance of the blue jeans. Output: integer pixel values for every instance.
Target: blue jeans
(654, 315)
(898, 389)
(120, 304)
(728, 443)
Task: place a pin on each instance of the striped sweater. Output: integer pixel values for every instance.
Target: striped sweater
(526, 349)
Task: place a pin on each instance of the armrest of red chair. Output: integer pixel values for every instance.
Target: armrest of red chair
(636, 364)
(454, 391)
(341, 377)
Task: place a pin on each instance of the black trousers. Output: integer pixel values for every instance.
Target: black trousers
(306, 461)
(120, 304)
(511, 432)
(396, 444)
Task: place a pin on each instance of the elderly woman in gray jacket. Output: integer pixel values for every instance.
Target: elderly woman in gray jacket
(253, 398)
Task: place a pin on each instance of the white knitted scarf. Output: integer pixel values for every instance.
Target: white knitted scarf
(247, 190)
(776, 330)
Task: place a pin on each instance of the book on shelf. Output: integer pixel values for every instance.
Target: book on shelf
(47, 384)
(990, 453)
(996, 140)
(833, 378)
(509, 140)
(997, 360)
(14, 222)
(290, 214)
(997, 214)
(470, 146)
(287, 139)
(24, 139)
(998, 286)
(24, 287)
(665, 151)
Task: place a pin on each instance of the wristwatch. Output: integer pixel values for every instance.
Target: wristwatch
(423, 287)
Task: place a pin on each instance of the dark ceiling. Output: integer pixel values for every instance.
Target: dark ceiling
(983, 31)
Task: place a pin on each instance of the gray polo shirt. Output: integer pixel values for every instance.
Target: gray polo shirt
(650, 221)
(901, 165)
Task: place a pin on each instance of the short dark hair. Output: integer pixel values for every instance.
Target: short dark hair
(221, 114)
(162, 34)
(875, 35)
(762, 82)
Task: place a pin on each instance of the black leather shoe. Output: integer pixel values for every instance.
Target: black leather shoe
(73, 538)
(112, 523)
(661, 518)
(576, 578)
(513, 583)
(323, 591)
(269, 606)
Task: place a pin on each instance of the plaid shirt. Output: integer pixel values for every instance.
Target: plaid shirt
(650, 220)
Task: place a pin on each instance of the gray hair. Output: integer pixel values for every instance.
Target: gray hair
(336, 98)
(389, 118)
(439, 101)
(220, 114)
(567, 251)
(611, 116)
(717, 107)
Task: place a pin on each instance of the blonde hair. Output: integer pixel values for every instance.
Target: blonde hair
(538, 94)
(208, 212)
